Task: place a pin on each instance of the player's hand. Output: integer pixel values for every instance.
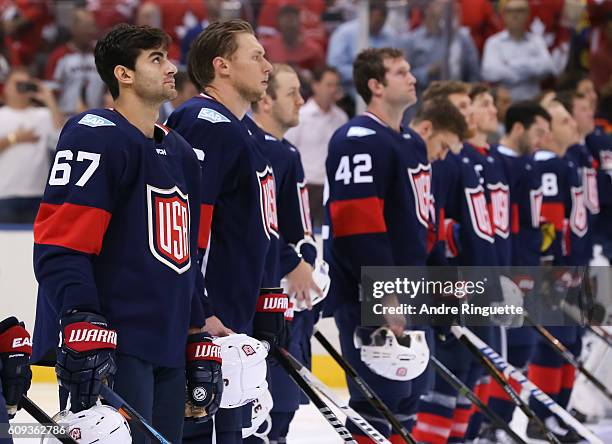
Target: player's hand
(204, 377)
(395, 322)
(15, 373)
(85, 358)
(300, 282)
(214, 327)
(269, 320)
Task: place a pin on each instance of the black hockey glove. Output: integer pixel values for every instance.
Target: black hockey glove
(204, 377)
(15, 373)
(269, 320)
(86, 357)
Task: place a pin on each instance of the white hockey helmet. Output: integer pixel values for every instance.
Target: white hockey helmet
(512, 296)
(260, 412)
(400, 359)
(244, 369)
(320, 275)
(100, 424)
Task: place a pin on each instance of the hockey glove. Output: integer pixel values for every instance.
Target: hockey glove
(85, 358)
(269, 320)
(204, 377)
(15, 373)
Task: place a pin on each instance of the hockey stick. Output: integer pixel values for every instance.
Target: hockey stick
(501, 380)
(315, 398)
(130, 414)
(39, 415)
(365, 389)
(465, 391)
(534, 390)
(312, 381)
(562, 350)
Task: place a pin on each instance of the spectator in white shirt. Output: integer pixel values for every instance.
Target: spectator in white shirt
(27, 134)
(514, 57)
(320, 117)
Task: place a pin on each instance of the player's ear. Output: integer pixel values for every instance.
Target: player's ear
(266, 102)
(123, 74)
(221, 66)
(375, 86)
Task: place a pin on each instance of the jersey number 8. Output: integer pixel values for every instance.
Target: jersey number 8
(60, 173)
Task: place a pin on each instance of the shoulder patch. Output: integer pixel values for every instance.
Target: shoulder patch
(406, 136)
(212, 116)
(359, 131)
(94, 121)
(506, 151)
(269, 137)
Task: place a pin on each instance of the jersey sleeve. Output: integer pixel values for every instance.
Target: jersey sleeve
(84, 185)
(359, 177)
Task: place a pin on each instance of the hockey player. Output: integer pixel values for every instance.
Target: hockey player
(15, 374)
(239, 217)
(115, 250)
(377, 208)
(274, 115)
(526, 125)
(564, 209)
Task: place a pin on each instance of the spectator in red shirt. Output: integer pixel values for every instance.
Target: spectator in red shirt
(110, 12)
(23, 22)
(310, 12)
(178, 16)
(290, 46)
(481, 18)
(601, 61)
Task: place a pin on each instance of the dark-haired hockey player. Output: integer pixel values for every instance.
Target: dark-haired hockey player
(238, 207)
(15, 374)
(563, 208)
(274, 115)
(377, 209)
(116, 246)
(527, 123)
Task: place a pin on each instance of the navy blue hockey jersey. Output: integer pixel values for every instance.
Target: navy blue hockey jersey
(238, 208)
(497, 191)
(563, 207)
(117, 234)
(600, 147)
(525, 205)
(377, 202)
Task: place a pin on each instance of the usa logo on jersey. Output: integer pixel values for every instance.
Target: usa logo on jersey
(420, 181)
(168, 224)
(500, 208)
(477, 206)
(578, 216)
(267, 200)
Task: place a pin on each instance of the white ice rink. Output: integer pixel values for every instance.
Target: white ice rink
(309, 426)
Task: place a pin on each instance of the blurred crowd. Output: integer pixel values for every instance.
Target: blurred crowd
(522, 48)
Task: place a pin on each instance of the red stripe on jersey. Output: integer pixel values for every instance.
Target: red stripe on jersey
(358, 216)
(554, 212)
(548, 379)
(206, 214)
(568, 376)
(77, 227)
(514, 219)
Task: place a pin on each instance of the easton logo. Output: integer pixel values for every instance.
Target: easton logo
(420, 181)
(169, 220)
(22, 342)
(500, 208)
(267, 200)
(477, 206)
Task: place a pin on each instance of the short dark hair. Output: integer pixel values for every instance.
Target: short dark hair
(444, 116)
(479, 88)
(567, 98)
(277, 68)
(369, 64)
(444, 88)
(318, 73)
(217, 40)
(525, 113)
(122, 46)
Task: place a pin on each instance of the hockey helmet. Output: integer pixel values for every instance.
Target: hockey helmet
(244, 369)
(100, 424)
(260, 413)
(400, 359)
